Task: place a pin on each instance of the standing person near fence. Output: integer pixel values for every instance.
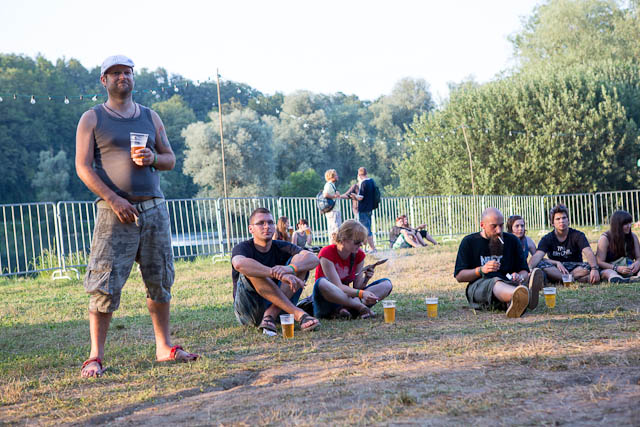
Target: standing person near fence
(334, 216)
(366, 200)
(133, 221)
(492, 264)
(566, 248)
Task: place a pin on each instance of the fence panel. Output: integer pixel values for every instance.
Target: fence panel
(582, 208)
(611, 201)
(530, 208)
(28, 238)
(194, 227)
(235, 217)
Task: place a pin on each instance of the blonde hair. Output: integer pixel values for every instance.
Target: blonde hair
(330, 174)
(351, 230)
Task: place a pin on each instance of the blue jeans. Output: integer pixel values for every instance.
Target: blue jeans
(249, 306)
(323, 308)
(365, 219)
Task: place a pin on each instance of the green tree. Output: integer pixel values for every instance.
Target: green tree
(52, 178)
(176, 116)
(249, 155)
(302, 184)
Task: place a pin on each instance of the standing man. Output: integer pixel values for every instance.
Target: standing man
(365, 204)
(133, 221)
(566, 248)
(268, 277)
(485, 260)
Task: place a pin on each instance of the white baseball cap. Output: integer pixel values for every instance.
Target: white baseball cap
(115, 60)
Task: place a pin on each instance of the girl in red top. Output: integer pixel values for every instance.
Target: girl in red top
(341, 265)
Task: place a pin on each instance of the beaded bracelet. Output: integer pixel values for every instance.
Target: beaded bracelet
(293, 267)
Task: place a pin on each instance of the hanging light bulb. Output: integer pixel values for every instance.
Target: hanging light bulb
(81, 97)
(94, 98)
(1, 99)
(306, 125)
(277, 111)
(175, 88)
(15, 96)
(398, 144)
(258, 101)
(239, 91)
(33, 99)
(66, 100)
(153, 92)
(322, 130)
(50, 98)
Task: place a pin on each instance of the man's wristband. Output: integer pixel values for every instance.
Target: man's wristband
(478, 271)
(155, 159)
(293, 267)
(615, 268)
(360, 293)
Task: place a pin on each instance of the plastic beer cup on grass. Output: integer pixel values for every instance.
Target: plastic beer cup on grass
(550, 297)
(432, 306)
(138, 141)
(567, 278)
(286, 320)
(389, 311)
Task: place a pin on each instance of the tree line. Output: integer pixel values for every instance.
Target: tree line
(564, 119)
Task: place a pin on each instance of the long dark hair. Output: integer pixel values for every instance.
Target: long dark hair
(621, 244)
(281, 229)
(510, 221)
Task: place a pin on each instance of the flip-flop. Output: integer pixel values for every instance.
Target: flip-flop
(90, 361)
(305, 319)
(190, 357)
(268, 323)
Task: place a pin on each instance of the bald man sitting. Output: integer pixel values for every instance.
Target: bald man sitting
(493, 265)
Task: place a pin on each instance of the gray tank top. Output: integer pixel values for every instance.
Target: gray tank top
(112, 154)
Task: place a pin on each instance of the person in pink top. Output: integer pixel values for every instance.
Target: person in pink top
(341, 288)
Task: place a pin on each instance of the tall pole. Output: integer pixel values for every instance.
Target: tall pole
(473, 186)
(224, 168)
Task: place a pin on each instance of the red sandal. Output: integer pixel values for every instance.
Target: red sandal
(90, 361)
(190, 357)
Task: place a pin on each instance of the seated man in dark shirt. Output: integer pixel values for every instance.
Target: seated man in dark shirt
(268, 276)
(493, 265)
(565, 248)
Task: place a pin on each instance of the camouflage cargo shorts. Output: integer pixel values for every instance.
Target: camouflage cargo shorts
(116, 246)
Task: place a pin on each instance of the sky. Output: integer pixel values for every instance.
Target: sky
(350, 46)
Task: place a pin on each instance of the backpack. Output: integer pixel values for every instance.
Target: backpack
(376, 195)
(323, 204)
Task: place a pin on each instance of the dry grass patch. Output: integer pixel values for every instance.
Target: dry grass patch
(576, 364)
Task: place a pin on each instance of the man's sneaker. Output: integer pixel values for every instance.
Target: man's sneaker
(536, 283)
(519, 302)
(619, 280)
(634, 279)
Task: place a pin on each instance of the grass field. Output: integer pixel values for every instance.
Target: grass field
(576, 364)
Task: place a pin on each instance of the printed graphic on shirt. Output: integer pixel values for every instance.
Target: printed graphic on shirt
(486, 259)
(561, 251)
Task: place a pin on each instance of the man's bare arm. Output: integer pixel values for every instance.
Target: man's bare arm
(166, 158)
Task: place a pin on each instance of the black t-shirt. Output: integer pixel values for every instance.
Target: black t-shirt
(367, 191)
(568, 251)
(474, 252)
(278, 254)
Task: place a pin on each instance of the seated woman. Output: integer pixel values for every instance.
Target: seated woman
(341, 265)
(517, 227)
(420, 230)
(618, 252)
(302, 236)
(403, 237)
(282, 230)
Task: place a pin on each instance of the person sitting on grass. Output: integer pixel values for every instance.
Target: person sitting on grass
(282, 230)
(618, 252)
(303, 235)
(565, 248)
(420, 230)
(517, 227)
(268, 276)
(401, 237)
(341, 265)
(492, 264)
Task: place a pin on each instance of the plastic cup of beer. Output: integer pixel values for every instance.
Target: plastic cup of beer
(389, 311)
(432, 306)
(138, 141)
(550, 297)
(567, 278)
(286, 320)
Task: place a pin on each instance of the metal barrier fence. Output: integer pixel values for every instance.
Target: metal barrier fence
(37, 237)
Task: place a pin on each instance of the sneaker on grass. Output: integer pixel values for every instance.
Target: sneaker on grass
(519, 302)
(536, 283)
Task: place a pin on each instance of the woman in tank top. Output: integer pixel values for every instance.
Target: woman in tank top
(618, 251)
(302, 236)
